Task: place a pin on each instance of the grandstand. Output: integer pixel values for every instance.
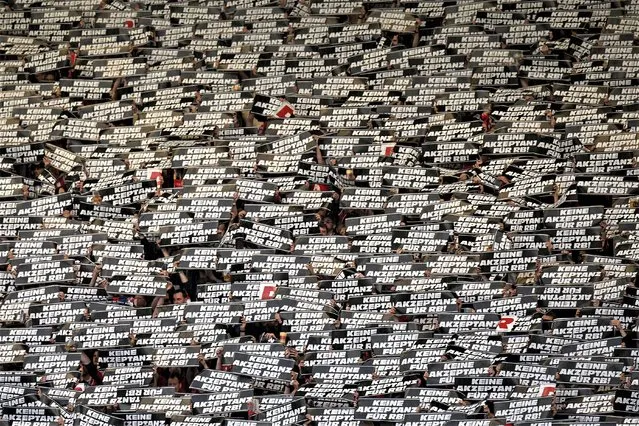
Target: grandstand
(319, 212)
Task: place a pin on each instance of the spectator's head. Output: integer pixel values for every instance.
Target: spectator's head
(328, 223)
(139, 301)
(179, 298)
(175, 380)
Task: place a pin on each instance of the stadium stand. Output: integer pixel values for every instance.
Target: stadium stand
(319, 212)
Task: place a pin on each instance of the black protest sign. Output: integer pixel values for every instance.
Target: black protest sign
(22, 150)
(197, 258)
(190, 420)
(219, 313)
(530, 241)
(589, 373)
(443, 373)
(56, 313)
(136, 376)
(31, 415)
(168, 405)
(218, 403)
(425, 302)
(270, 86)
(11, 353)
(561, 296)
(410, 204)
(604, 347)
(90, 417)
(143, 285)
(330, 415)
(214, 381)
(130, 193)
(78, 245)
(45, 206)
(125, 358)
(267, 107)
(419, 241)
(36, 294)
(371, 303)
(385, 409)
(148, 326)
(436, 211)
(189, 234)
(298, 224)
(388, 272)
(364, 198)
(328, 395)
(211, 293)
(582, 328)
(185, 356)
(44, 234)
(11, 187)
(391, 385)
(508, 261)
(610, 185)
(112, 68)
(575, 238)
(101, 336)
(134, 395)
(107, 111)
(580, 217)
(206, 209)
(105, 211)
(341, 288)
(209, 191)
(32, 337)
(143, 418)
(251, 291)
(311, 200)
(626, 401)
(342, 374)
(52, 363)
(264, 367)
(325, 244)
(512, 143)
(524, 409)
(150, 222)
(452, 322)
(121, 250)
(624, 247)
(562, 274)
(279, 164)
(252, 190)
(422, 284)
(236, 259)
(46, 272)
(609, 289)
(481, 388)
(264, 235)
(289, 411)
(604, 162)
(102, 314)
(373, 244)
(451, 263)
(112, 266)
(115, 230)
(246, 347)
(375, 224)
(264, 310)
(213, 174)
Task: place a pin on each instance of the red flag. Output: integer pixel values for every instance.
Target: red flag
(285, 111)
